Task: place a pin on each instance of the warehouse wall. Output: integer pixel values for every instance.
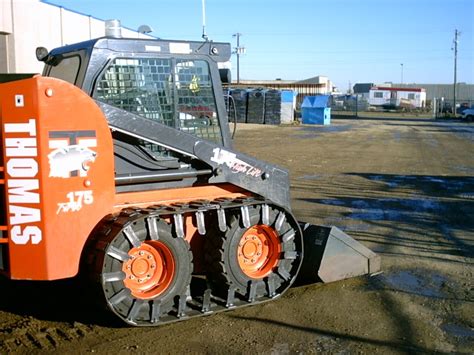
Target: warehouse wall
(27, 24)
(464, 92)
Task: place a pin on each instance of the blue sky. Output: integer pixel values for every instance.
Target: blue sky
(346, 40)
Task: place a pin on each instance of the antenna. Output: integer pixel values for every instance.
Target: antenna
(204, 35)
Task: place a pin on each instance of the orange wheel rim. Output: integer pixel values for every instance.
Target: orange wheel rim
(258, 251)
(150, 269)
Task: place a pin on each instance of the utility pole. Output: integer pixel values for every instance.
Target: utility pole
(238, 50)
(455, 48)
(401, 81)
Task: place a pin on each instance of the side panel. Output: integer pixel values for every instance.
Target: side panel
(59, 176)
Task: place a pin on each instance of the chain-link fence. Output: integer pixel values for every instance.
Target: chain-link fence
(442, 107)
(358, 104)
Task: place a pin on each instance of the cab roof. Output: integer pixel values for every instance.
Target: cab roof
(218, 51)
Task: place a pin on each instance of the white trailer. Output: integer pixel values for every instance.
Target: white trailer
(397, 97)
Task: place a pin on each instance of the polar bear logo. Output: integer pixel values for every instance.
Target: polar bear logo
(64, 161)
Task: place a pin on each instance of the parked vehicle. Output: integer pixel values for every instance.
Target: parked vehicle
(468, 115)
(462, 107)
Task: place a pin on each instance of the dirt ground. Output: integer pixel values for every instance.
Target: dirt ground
(404, 187)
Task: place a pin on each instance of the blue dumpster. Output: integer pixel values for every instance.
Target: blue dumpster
(316, 110)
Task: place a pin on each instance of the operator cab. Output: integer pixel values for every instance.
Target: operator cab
(170, 82)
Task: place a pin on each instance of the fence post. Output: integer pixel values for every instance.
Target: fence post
(357, 105)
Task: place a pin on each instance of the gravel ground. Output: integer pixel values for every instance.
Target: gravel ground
(404, 187)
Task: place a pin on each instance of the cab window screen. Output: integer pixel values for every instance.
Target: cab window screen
(67, 69)
(174, 92)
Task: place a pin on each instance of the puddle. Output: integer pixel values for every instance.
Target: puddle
(465, 133)
(310, 177)
(333, 202)
(397, 136)
(392, 209)
(433, 179)
(379, 215)
(328, 128)
(424, 181)
(387, 209)
(357, 228)
(432, 142)
(428, 284)
(464, 169)
(312, 131)
(392, 183)
(458, 331)
(344, 224)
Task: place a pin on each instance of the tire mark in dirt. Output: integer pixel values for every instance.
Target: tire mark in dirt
(29, 334)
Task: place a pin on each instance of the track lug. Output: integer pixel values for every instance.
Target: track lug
(283, 273)
(200, 222)
(206, 301)
(230, 297)
(119, 296)
(221, 220)
(155, 312)
(117, 254)
(113, 276)
(280, 220)
(245, 216)
(252, 290)
(270, 281)
(152, 228)
(131, 236)
(133, 313)
(290, 255)
(182, 306)
(179, 225)
(265, 215)
(288, 236)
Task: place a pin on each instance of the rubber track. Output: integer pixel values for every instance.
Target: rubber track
(198, 305)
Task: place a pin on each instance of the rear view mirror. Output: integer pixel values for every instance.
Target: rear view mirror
(41, 54)
(226, 76)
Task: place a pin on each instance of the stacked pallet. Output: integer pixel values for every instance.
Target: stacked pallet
(273, 106)
(255, 106)
(240, 101)
(262, 106)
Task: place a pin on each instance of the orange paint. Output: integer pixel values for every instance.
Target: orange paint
(258, 251)
(49, 211)
(186, 194)
(58, 172)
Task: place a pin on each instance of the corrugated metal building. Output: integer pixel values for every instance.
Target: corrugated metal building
(310, 87)
(464, 92)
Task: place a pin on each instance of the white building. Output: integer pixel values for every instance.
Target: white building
(27, 24)
(397, 97)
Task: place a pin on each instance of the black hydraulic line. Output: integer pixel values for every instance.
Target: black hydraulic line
(232, 103)
(139, 178)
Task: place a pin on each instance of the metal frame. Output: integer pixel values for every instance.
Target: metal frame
(96, 55)
(227, 166)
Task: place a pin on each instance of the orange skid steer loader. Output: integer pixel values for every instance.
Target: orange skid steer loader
(118, 161)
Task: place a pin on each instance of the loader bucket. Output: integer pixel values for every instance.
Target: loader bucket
(332, 255)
